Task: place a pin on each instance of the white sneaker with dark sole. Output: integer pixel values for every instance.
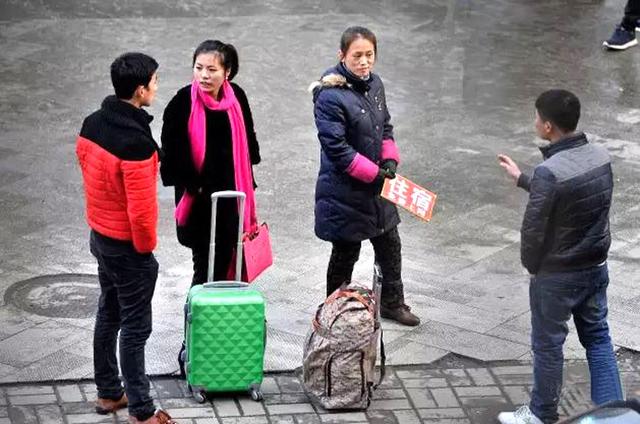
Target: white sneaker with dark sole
(624, 46)
(522, 416)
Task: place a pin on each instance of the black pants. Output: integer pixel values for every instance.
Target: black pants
(631, 15)
(344, 256)
(200, 255)
(127, 282)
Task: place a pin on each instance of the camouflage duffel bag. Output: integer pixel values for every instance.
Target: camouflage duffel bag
(340, 351)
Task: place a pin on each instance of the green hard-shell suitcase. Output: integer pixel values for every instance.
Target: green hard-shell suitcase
(225, 327)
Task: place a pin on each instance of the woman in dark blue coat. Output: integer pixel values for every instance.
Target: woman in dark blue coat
(358, 153)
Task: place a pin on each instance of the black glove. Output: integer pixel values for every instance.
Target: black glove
(390, 166)
(382, 174)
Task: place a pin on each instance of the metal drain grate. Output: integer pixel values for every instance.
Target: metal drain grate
(57, 296)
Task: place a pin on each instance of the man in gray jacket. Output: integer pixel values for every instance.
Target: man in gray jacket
(565, 240)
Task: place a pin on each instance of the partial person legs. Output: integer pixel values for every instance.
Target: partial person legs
(135, 293)
(387, 248)
(111, 395)
(553, 298)
(127, 281)
(344, 256)
(590, 318)
(624, 35)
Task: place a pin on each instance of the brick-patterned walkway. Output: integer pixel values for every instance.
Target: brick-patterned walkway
(449, 394)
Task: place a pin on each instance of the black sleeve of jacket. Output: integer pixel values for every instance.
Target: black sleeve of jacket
(524, 181)
(170, 137)
(535, 225)
(254, 148)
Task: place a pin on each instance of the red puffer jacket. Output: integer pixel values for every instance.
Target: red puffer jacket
(119, 162)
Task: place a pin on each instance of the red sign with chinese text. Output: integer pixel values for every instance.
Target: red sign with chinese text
(403, 192)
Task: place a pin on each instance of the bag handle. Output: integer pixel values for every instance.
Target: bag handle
(383, 362)
(227, 194)
(225, 285)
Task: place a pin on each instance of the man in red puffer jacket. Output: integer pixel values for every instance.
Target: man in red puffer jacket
(119, 161)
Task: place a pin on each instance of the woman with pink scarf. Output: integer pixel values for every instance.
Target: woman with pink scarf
(209, 145)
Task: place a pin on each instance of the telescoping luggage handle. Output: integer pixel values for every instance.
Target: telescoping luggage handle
(228, 194)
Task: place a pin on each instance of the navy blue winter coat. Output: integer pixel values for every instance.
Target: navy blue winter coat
(566, 223)
(352, 121)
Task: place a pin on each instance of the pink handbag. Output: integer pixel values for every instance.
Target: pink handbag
(256, 250)
(256, 255)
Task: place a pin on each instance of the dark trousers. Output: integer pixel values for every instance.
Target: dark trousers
(631, 15)
(127, 282)
(344, 256)
(554, 299)
(200, 256)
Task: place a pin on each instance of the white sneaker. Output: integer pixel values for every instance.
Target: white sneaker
(522, 416)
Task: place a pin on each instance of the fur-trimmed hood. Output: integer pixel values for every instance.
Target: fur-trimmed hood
(339, 77)
(329, 80)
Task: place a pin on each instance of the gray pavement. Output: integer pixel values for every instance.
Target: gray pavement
(461, 78)
(447, 392)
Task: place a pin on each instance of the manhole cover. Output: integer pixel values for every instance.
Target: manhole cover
(57, 296)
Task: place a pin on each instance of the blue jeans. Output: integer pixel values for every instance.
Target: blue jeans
(554, 298)
(127, 282)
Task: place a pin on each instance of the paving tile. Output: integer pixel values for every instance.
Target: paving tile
(50, 414)
(441, 413)
(444, 397)
(467, 343)
(167, 388)
(282, 419)
(511, 370)
(292, 408)
(388, 394)
(30, 390)
(33, 399)
(477, 391)
(343, 417)
(420, 383)
(407, 417)
(421, 398)
(517, 395)
(483, 401)
(289, 384)
(194, 412)
(457, 377)
(38, 342)
(269, 386)
(390, 404)
(88, 418)
(404, 351)
(239, 420)
(308, 419)
(226, 407)
(481, 376)
(69, 393)
(250, 407)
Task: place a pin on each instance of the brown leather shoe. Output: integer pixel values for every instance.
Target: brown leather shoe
(107, 406)
(401, 314)
(159, 417)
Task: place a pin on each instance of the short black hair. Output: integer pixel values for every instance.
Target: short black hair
(560, 107)
(226, 52)
(353, 33)
(131, 70)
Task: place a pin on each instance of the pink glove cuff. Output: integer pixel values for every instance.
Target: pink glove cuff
(363, 169)
(390, 150)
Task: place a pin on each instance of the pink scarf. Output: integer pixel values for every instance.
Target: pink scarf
(198, 138)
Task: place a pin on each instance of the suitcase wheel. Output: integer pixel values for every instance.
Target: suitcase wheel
(255, 393)
(199, 397)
